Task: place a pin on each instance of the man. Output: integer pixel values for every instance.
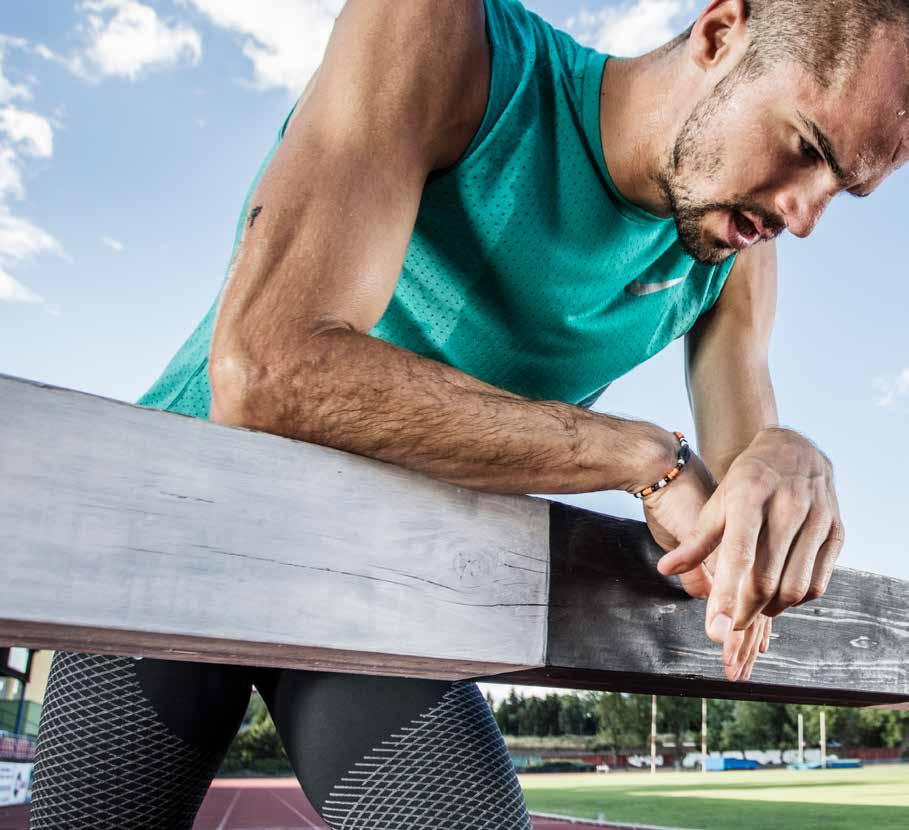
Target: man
(469, 226)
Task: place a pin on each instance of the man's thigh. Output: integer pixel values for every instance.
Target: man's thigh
(132, 744)
(377, 752)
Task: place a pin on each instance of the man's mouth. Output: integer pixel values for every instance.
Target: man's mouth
(741, 232)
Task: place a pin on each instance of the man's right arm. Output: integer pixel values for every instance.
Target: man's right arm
(401, 91)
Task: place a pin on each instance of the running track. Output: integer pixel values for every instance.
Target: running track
(253, 804)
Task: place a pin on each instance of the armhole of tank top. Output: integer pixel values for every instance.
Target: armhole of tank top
(178, 395)
(290, 115)
(504, 76)
(592, 398)
(716, 288)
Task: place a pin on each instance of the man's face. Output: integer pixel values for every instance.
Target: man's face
(761, 155)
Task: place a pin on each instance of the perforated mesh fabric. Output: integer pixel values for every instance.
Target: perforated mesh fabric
(448, 770)
(105, 760)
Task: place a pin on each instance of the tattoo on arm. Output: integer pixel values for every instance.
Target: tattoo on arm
(253, 214)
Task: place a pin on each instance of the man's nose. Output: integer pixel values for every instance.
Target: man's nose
(801, 211)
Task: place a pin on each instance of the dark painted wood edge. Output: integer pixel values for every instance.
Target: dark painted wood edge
(614, 681)
(210, 650)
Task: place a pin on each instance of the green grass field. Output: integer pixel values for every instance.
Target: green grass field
(873, 798)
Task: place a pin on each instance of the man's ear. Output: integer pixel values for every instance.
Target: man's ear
(719, 34)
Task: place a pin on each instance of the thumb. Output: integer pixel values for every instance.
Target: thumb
(697, 583)
(698, 544)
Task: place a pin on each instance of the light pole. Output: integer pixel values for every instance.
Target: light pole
(823, 718)
(653, 734)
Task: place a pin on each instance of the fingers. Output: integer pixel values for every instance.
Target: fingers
(734, 562)
(697, 583)
(732, 646)
(786, 512)
(799, 567)
(765, 640)
(828, 554)
(699, 543)
(742, 647)
(752, 650)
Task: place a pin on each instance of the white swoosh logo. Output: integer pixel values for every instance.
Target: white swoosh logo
(641, 289)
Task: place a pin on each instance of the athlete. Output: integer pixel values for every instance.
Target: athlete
(468, 226)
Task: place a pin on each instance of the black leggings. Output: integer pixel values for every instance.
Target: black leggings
(133, 744)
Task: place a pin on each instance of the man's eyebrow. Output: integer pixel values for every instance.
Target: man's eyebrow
(826, 150)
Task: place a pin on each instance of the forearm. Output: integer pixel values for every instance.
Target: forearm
(730, 408)
(726, 357)
(363, 395)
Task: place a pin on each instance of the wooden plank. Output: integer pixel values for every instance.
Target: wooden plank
(128, 530)
(169, 529)
(640, 632)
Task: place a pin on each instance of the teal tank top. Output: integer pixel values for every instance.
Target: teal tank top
(526, 268)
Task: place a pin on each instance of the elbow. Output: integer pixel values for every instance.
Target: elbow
(255, 393)
(233, 380)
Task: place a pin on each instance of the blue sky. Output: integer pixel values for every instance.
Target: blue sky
(129, 133)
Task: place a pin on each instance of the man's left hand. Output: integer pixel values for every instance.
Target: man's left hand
(774, 527)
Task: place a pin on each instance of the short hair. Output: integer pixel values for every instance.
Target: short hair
(827, 37)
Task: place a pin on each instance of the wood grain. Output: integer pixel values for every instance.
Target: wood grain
(128, 519)
(639, 631)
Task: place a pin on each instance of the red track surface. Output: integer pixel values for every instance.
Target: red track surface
(251, 804)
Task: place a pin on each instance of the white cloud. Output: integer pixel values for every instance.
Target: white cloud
(284, 39)
(113, 244)
(13, 291)
(892, 389)
(124, 38)
(10, 174)
(23, 134)
(634, 27)
(22, 240)
(28, 129)
(8, 90)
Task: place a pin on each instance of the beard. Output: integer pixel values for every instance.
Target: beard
(695, 157)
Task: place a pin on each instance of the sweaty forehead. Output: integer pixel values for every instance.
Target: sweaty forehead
(866, 115)
(869, 109)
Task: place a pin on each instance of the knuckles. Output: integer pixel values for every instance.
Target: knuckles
(814, 592)
(763, 587)
(789, 595)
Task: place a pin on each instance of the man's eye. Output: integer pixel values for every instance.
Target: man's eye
(809, 151)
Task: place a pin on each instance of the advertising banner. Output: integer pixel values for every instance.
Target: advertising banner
(15, 783)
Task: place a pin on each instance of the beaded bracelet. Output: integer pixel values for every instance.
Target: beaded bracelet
(684, 455)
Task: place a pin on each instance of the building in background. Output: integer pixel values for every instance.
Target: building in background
(23, 679)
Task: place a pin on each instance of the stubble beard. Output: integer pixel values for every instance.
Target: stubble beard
(695, 157)
(692, 154)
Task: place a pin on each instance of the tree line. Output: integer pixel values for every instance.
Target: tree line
(621, 722)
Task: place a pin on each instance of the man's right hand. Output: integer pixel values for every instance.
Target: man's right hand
(671, 514)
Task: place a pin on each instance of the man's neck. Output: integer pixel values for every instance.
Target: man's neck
(641, 109)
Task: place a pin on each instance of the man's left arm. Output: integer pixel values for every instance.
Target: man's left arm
(726, 361)
(772, 527)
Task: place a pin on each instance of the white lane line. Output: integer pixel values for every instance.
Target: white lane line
(230, 809)
(295, 810)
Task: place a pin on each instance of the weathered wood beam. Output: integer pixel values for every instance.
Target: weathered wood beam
(128, 530)
(616, 623)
